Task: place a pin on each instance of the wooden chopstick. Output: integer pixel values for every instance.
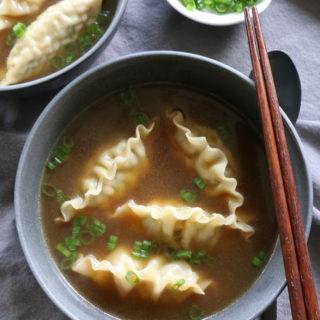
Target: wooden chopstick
(308, 286)
(282, 181)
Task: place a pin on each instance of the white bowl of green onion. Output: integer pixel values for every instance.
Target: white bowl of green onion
(216, 12)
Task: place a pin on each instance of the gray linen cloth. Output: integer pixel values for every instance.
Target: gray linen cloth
(289, 25)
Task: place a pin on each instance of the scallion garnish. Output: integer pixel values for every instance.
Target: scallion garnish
(97, 227)
(61, 153)
(257, 262)
(142, 249)
(139, 117)
(66, 264)
(132, 278)
(57, 62)
(111, 245)
(128, 96)
(79, 221)
(11, 39)
(69, 59)
(183, 254)
(94, 28)
(19, 29)
(199, 182)
(68, 141)
(60, 247)
(263, 256)
(189, 4)
(195, 312)
(178, 284)
(86, 237)
(188, 196)
(49, 190)
(224, 132)
(155, 247)
(72, 242)
(104, 18)
(170, 252)
(71, 49)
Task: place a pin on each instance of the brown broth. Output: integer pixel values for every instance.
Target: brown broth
(105, 123)
(108, 5)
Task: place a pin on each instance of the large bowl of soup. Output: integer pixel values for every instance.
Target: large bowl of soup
(143, 192)
(44, 44)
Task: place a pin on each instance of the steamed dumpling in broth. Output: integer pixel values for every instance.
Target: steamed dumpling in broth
(55, 27)
(183, 226)
(116, 169)
(156, 276)
(179, 251)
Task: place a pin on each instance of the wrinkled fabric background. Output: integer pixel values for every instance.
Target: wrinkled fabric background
(289, 25)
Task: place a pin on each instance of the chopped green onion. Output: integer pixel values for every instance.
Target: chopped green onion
(60, 247)
(94, 28)
(71, 49)
(19, 29)
(188, 196)
(72, 242)
(11, 39)
(80, 194)
(224, 132)
(128, 96)
(86, 237)
(183, 254)
(85, 40)
(76, 231)
(97, 227)
(199, 182)
(189, 4)
(146, 245)
(103, 18)
(132, 278)
(69, 59)
(112, 242)
(79, 221)
(51, 165)
(61, 197)
(200, 4)
(257, 262)
(49, 190)
(68, 141)
(263, 256)
(211, 261)
(195, 312)
(66, 264)
(140, 118)
(57, 62)
(178, 284)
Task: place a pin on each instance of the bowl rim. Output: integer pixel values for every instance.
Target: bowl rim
(120, 8)
(215, 19)
(21, 166)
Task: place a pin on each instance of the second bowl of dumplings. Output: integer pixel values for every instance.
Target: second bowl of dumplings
(146, 187)
(45, 44)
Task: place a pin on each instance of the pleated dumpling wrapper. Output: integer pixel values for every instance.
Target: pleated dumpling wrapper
(151, 277)
(18, 8)
(208, 157)
(183, 226)
(58, 25)
(116, 169)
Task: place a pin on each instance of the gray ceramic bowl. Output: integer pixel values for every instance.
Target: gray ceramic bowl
(62, 77)
(189, 69)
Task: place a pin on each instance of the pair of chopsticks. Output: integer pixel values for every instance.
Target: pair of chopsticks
(302, 292)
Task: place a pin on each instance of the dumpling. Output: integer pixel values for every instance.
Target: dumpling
(116, 169)
(156, 276)
(18, 7)
(55, 27)
(208, 158)
(183, 226)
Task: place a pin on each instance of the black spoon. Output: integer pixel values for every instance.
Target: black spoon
(287, 83)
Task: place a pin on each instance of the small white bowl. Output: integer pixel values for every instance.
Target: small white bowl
(212, 18)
